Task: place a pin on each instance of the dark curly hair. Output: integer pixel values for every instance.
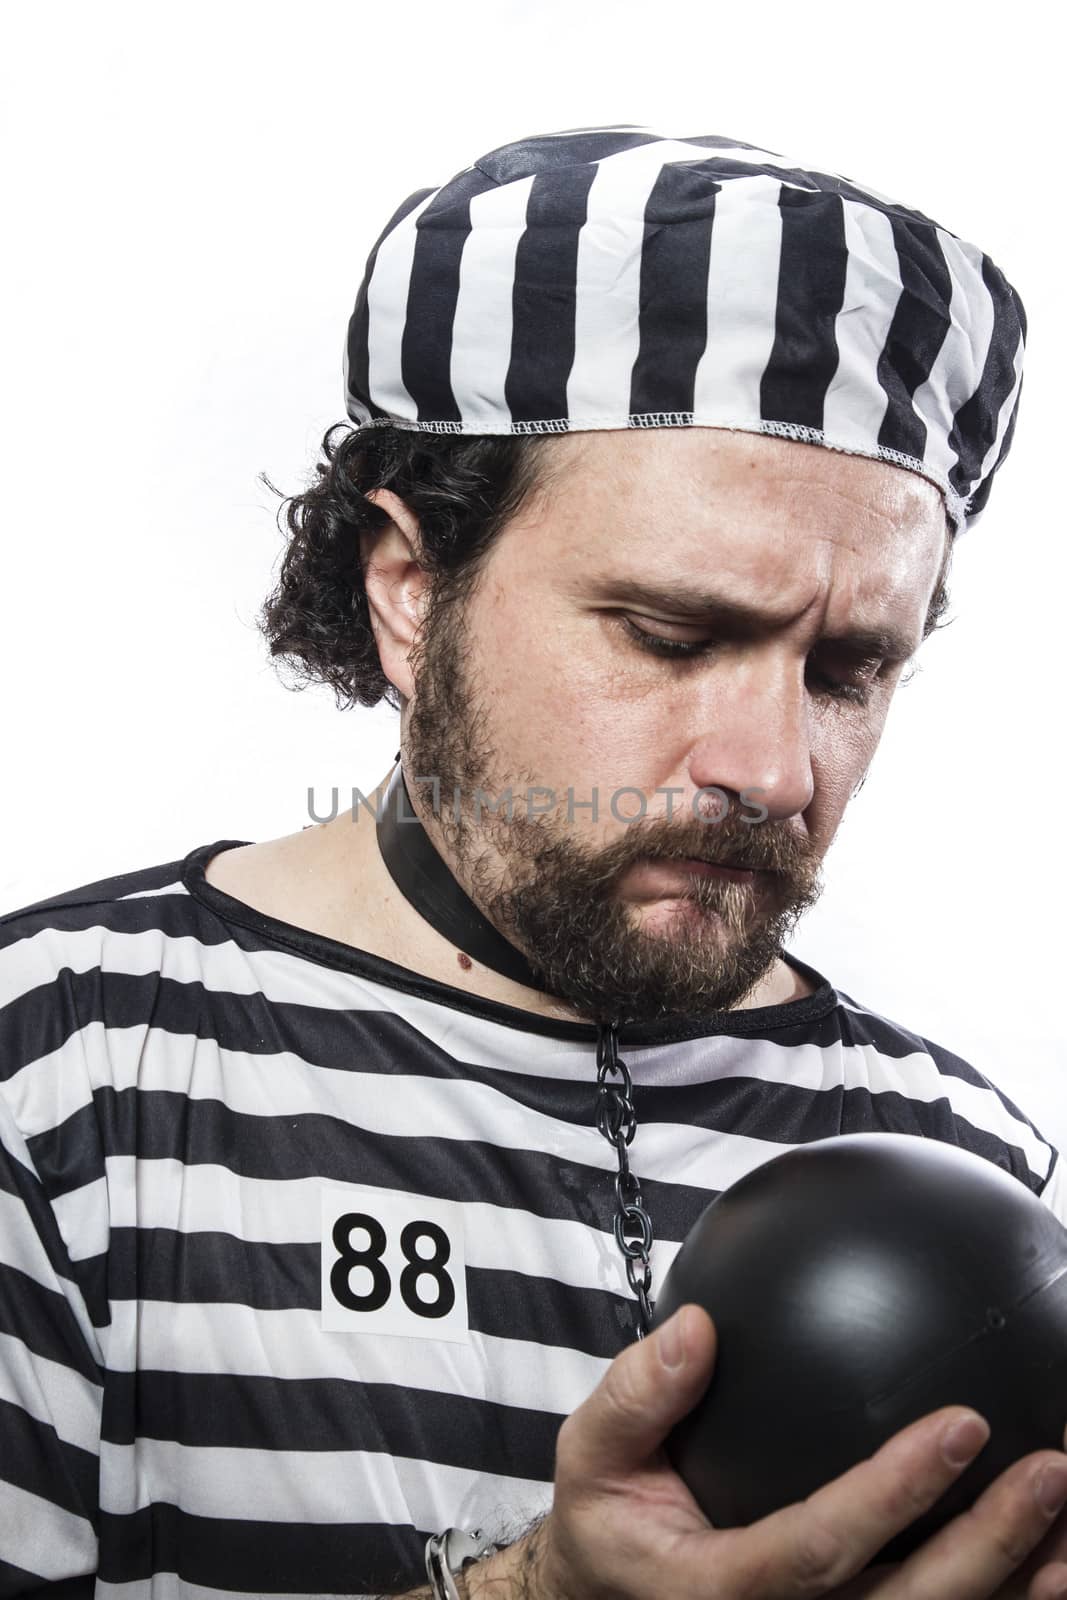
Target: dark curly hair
(463, 489)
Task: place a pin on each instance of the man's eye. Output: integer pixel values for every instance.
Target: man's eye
(659, 644)
(855, 692)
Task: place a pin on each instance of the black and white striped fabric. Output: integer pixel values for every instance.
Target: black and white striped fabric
(621, 277)
(186, 1085)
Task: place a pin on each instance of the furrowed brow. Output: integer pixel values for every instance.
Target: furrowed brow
(678, 601)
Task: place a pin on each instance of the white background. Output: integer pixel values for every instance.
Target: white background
(189, 196)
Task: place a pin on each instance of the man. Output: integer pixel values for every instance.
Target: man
(320, 1152)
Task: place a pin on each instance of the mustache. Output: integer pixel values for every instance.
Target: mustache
(732, 842)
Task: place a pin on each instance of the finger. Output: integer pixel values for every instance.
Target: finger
(1050, 1583)
(1051, 1552)
(980, 1552)
(821, 1542)
(645, 1391)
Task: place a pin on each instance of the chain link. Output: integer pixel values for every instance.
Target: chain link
(617, 1122)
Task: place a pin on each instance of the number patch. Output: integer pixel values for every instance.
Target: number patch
(392, 1263)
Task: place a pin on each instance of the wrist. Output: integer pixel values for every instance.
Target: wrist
(513, 1573)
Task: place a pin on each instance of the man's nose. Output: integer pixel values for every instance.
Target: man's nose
(757, 740)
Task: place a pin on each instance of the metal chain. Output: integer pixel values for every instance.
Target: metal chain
(616, 1120)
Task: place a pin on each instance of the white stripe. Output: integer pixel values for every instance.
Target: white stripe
(222, 1337)
(177, 887)
(607, 331)
(211, 1199)
(754, 156)
(44, 1093)
(957, 369)
(481, 329)
(51, 1393)
(21, 1248)
(746, 240)
(387, 296)
(43, 1538)
(282, 1084)
(84, 1216)
(608, 278)
(855, 403)
(284, 978)
(320, 1487)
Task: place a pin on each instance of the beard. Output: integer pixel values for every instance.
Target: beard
(556, 898)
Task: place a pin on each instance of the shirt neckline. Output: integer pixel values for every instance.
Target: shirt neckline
(333, 953)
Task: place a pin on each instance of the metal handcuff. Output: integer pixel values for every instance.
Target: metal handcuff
(617, 1123)
(448, 1553)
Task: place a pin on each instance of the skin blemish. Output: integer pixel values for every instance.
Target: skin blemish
(464, 961)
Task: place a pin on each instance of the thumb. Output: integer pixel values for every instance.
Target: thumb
(645, 1391)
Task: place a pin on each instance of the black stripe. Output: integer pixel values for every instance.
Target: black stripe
(217, 1268)
(31, 1586)
(1051, 1171)
(45, 1018)
(42, 1320)
(811, 291)
(379, 1044)
(916, 333)
(441, 232)
(87, 894)
(261, 1558)
(34, 1197)
(974, 427)
(358, 346)
(673, 316)
(541, 154)
(240, 1412)
(364, 1042)
(168, 1125)
(34, 1458)
(544, 296)
(176, 915)
(981, 494)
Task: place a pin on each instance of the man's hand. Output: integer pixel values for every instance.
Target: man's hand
(624, 1527)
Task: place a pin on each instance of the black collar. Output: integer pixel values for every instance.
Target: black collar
(427, 883)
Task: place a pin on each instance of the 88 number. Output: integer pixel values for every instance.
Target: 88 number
(418, 1266)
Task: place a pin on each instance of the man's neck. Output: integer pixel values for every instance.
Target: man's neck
(331, 880)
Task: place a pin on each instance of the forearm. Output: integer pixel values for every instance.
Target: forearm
(510, 1574)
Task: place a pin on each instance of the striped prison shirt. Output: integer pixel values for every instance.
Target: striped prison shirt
(304, 1256)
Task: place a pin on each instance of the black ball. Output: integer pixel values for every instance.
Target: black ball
(857, 1284)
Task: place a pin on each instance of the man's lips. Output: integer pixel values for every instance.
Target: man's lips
(714, 869)
(655, 879)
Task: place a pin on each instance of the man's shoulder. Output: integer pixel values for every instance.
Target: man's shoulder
(957, 1098)
(119, 886)
(68, 930)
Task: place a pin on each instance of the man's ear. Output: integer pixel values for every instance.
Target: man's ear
(396, 586)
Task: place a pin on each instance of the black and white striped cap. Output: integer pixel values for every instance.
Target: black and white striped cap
(619, 277)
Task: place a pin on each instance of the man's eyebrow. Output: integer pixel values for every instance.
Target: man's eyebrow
(888, 643)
